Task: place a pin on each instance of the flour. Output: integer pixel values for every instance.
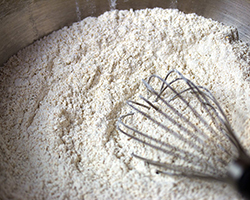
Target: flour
(62, 95)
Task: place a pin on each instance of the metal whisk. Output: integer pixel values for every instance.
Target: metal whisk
(176, 111)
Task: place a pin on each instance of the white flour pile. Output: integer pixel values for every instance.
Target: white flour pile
(61, 97)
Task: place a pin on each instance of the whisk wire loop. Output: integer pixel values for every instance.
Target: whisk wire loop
(173, 151)
(192, 116)
(195, 90)
(206, 95)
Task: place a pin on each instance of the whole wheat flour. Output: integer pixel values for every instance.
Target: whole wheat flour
(62, 95)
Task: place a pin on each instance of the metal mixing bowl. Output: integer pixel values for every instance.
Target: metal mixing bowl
(24, 21)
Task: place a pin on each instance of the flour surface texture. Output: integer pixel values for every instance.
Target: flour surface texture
(62, 95)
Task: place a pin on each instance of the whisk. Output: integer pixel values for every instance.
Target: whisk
(176, 111)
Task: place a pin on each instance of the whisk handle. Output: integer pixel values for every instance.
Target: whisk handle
(244, 183)
(239, 173)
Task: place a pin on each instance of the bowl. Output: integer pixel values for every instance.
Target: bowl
(23, 22)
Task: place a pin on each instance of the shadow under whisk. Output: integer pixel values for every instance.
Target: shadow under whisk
(188, 130)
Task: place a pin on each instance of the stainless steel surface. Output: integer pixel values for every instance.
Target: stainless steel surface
(23, 22)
